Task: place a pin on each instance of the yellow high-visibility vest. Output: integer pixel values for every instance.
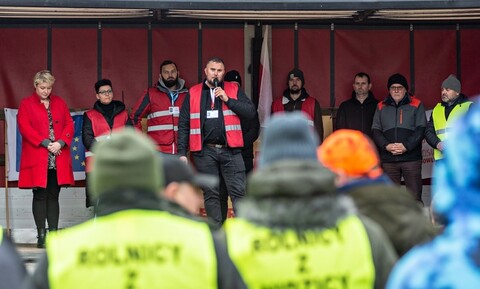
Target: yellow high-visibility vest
(442, 125)
(133, 249)
(339, 257)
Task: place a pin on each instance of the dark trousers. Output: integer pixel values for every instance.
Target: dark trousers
(228, 165)
(412, 175)
(45, 204)
(223, 189)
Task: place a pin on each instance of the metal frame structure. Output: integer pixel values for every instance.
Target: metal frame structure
(364, 11)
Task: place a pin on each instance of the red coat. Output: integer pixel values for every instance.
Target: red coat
(32, 122)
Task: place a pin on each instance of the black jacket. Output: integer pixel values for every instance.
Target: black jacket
(250, 131)
(87, 132)
(242, 107)
(355, 115)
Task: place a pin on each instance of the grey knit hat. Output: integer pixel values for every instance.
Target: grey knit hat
(288, 136)
(453, 83)
(127, 160)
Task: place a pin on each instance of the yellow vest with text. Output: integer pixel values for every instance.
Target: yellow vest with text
(133, 249)
(333, 258)
(442, 125)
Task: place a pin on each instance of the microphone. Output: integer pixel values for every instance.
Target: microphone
(215, 82)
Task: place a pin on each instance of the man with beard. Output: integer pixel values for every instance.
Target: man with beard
(454, 104)
(210, 129)
(357, 112)
(161, 106)
(295, 97)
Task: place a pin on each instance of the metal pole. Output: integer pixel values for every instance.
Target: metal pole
(7, 207)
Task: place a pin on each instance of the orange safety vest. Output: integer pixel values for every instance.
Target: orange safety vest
(101, 130)
(233, 128)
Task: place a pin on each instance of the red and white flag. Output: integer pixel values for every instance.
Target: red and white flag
(265, 94)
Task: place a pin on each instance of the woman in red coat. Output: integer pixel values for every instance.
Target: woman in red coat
(46, 127)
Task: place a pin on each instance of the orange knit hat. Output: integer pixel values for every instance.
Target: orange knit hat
(351, 152)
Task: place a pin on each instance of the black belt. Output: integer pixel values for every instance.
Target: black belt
(218, 146)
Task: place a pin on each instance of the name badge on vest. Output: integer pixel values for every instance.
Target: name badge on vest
(212, 113)
(175, 110)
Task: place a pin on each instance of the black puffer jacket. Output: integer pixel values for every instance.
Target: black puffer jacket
(355, 115)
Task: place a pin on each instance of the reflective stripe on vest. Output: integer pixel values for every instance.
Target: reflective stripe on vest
(339, 257)
(308, 107)
(101, 130)
(133, 249)
(158, 114)
(162, 124)
(233, 128)
(442, 125)
(162, 127)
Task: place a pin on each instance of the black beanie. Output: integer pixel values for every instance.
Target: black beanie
(296, 73)
(397, 78)
(233, 75)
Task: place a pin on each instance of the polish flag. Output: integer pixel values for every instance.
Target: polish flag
(265, 94)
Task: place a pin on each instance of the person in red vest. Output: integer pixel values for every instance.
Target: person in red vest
(209, 127)
(47, 129)
(106, 115)
(296, 97)
(161, 106)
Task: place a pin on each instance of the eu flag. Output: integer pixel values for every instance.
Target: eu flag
(77, 149)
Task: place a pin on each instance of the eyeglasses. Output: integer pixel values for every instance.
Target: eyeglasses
(105, 92)
(397, 88)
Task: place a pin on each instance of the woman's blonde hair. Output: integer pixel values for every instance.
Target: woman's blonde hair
(43, 76)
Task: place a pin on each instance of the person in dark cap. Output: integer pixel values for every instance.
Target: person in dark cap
(453, 104)
(292, 227)
(183, 186)
(233, 76)
(398, 130)
(250, 131)
(250, 127)
(296, 97)
(137, 239)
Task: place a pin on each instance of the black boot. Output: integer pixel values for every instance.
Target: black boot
(52, 229)
(41, 234)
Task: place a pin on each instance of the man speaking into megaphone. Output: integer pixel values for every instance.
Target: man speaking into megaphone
(209, 128)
